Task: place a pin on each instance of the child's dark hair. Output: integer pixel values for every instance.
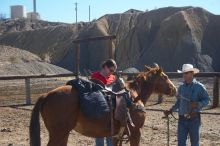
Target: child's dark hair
(109, 63)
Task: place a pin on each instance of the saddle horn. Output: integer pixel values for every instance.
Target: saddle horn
(155, 65)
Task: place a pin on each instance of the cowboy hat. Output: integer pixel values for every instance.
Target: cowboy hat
(188, 68)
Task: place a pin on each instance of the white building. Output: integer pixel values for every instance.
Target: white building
(33, 15)
(18, 11)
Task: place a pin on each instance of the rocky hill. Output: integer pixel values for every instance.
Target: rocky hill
(14, 61)
(16, 25)
(169, 36)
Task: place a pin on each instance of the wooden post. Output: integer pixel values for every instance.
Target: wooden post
(111, 49)
(215, 92)
(77, 59)
(27, 91)
(168, 131)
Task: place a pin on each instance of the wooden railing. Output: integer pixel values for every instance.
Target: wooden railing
(27, 81)
(214, 75)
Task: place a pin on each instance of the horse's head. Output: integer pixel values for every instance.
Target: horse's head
(161, 81)
(154, 80)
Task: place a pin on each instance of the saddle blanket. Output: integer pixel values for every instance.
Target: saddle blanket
(92, 100)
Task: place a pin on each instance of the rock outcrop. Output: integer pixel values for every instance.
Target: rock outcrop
(14, 61)
(169, 36)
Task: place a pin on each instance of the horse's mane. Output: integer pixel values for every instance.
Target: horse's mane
(144, 77)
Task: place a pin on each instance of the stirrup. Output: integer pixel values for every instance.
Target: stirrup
(130, 120)
(119, 136)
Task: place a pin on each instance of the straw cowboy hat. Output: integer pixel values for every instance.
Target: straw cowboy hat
(188, 68)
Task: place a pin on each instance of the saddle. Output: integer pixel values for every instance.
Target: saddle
(121, 113)
(97, 100)
(93, 102)
(94, 97)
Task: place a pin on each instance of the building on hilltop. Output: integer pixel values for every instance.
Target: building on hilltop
(133, 11)
(18, 11)
(33, 16)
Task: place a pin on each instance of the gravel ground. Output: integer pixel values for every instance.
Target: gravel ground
(14, 123)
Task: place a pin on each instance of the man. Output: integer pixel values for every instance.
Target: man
(105, 76)
(192, 97)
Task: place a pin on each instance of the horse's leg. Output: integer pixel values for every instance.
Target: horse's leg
(59, 132)
(114, 141)
(135, 136)
(60, 113)
(117, 143)
(58, 140)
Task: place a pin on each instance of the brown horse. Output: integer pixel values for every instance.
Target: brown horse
(61, 112)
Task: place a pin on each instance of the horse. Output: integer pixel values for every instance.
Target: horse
(60, 111)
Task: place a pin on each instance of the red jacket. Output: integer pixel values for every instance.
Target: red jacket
(104, 80)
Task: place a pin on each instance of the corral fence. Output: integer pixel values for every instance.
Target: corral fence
(24, 90)
(29, 87)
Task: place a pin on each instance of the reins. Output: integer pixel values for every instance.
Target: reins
(173, 116)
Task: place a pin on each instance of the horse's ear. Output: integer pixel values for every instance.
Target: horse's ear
(148, 68)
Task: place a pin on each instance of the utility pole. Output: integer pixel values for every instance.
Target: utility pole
(77, 50)
(34, 3)
(89, 13)
(76, 10)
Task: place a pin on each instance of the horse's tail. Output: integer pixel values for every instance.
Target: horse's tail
(34, 128)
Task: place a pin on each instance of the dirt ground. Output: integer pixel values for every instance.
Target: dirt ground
(14, 121)
(14, 124)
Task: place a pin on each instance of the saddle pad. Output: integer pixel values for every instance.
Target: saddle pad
(92, 101)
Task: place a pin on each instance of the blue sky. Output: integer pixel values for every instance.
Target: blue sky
(64, 10)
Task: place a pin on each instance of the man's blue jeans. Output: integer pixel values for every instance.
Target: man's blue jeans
(100, 141)
(189, 126)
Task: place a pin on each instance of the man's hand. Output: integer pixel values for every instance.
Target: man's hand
(194, 105)
(167, 112)
(121, 82)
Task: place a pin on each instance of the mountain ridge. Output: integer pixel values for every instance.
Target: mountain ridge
(169, 36)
